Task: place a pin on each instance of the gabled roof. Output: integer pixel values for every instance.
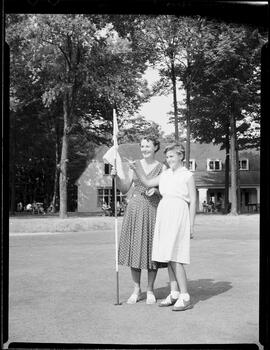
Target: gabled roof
(132, 151)
(217, 178)
(199, 152)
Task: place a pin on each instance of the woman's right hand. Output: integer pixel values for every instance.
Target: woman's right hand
(113, 171)
(132, 164)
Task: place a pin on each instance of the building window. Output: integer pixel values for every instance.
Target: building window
(107, 169)
(105, 195)
(214, 164)
(243, 164)
(192, 164)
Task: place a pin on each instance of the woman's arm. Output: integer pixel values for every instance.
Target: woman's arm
(147, 182)
(192, 204)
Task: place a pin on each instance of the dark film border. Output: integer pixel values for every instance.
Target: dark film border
(254, 13)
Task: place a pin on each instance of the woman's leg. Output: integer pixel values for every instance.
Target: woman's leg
(174, 289)
(136, 277)
(173, 281)
(183, 302)
(180, 274)
(152, 274)
(150, 297)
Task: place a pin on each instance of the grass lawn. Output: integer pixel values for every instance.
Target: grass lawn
(62, 286)
(76, 222)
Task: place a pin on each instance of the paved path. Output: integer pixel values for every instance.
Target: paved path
(62, 289)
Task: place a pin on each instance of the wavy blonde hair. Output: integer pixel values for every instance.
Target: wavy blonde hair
(177, 147)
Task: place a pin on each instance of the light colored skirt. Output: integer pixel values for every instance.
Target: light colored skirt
(172, 231)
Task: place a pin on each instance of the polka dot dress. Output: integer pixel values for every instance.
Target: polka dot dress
(135, 244)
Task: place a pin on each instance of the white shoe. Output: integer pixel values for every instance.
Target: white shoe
(169, 301)
(134, 298)
(182, 305)
(150, 299)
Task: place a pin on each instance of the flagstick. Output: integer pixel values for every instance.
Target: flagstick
(115, 126)
(116, 241)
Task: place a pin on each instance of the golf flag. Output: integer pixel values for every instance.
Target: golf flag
(112, 156)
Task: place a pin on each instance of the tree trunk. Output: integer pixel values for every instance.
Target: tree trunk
(227, 173)
(13, 167)
(173, 77)
(233, 164)
(13, 189)
(56, 172)
(238, 190)
(188, 128)
(55, 189)
(25, 195)
(63, 162)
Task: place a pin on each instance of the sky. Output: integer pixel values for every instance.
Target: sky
(156, 110)
(158, 106)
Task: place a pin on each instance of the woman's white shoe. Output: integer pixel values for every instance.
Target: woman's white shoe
(134, 298)
(150, 298)
(168, 301)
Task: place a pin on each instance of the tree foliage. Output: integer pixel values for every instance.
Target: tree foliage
(68, 72)
(76, 68)
(231, 72)
(133, 129)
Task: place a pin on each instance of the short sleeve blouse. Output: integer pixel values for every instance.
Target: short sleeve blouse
(175, 183)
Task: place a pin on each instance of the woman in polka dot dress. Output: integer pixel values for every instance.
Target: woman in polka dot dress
(135, 244)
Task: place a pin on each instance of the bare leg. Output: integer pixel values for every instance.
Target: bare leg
(150, 297)
(180, 275)
(136, 277)
(183, 302)
(174, 288)
(173, 281)
(152, 274)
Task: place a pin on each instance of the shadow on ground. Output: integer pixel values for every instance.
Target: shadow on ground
(199, 290)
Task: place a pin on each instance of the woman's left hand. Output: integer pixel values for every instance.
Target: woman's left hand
(150, 191)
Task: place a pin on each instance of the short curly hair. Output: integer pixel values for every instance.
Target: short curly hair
(178, 147)
(152, 138)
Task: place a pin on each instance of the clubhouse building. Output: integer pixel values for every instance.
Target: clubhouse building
(207, 162)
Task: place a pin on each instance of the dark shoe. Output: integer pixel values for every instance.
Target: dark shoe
(182, 305)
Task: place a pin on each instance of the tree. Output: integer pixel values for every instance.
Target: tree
(179, 49)
(227, 91)
(82, 65)
(132, 129)
(164, 32)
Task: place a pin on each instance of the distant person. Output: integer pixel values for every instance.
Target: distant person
(218, 205)
(205, 207)
(105, 209)
(135, 244)
(19, 207)
(29, 207)
(211, 206)
(174, 223)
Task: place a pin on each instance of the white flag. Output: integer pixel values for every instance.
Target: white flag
(112, 156)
